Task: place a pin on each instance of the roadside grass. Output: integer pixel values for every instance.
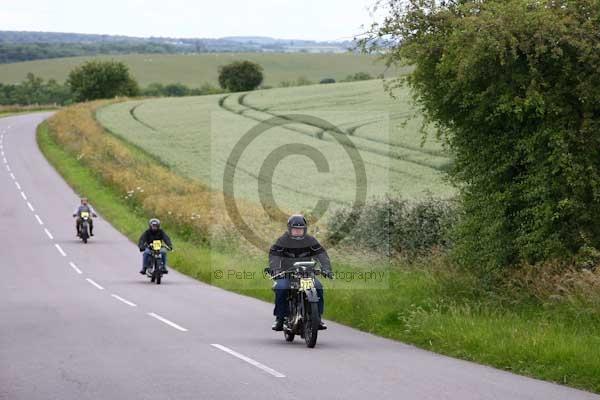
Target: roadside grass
(428, 303)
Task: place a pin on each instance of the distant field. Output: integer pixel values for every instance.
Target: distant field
(196, 135)
(194, 70)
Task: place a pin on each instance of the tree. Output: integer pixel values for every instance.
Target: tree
(514, 87)
(101, 80)
(240, 76)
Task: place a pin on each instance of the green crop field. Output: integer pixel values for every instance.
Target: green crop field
(196, 136)
(196, 69)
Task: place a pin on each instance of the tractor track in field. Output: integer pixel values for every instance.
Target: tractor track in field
(132, 113)
(319, 135)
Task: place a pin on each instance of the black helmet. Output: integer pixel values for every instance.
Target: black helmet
(299, 222)
(154, 222)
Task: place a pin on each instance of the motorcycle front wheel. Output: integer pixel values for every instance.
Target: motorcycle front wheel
(311, 320)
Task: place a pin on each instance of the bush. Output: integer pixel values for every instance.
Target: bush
(33, 90)
(303, 81)
(395, 226)
(101, 80)
(327, 80)
(240, 76)
(359, 76)
(178, 90)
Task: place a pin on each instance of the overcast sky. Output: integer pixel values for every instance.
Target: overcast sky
(298, 19)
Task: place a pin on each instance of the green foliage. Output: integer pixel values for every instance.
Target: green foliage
(33, 90)
(514, 87)
(101, 80)
(359, 76)
(396, 227)
(15, 52)
(240, 76)
(327, 80)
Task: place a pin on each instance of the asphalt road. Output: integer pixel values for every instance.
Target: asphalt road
(78, 321)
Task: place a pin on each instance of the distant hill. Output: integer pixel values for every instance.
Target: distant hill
(18, 46)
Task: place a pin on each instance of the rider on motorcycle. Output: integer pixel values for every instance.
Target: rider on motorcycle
(84, 207)
(154, 232)
(293, 246)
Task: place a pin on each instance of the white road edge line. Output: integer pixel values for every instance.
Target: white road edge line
(94, 283)
(23, 196)
(39, 219)
(123, 300)
(72, 264)
(49, 234)
(60, 250)
(17, 185)
(30, 206)
(166, 321)
(12, 176)
(250, 361)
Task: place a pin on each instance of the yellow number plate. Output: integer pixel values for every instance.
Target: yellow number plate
(306, 283)
(156, 245)
(85, 214)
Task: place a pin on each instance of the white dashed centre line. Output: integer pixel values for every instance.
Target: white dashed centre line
(123, 300)
(48, 233)
(30, 206)
(94, 283)
(17, 185)
(39, 219)
(23, 196)
(60, 250)
(249, 360)
(12, 176)
(8, 168)
(166, 321)
(75, 268)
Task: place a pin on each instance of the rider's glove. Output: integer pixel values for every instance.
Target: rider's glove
(95, 215)
(327, 274)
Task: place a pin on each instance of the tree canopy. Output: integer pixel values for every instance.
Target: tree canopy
(101, 80)
(240, 76)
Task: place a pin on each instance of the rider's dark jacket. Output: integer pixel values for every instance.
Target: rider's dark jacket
(287, 250)
(150, 235)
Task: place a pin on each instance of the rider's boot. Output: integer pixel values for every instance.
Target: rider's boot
(143, 271)
(322, 326)
(278, 324)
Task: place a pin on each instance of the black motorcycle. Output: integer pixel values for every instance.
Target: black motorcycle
(303, 314)
(84, 226)
(155, 269)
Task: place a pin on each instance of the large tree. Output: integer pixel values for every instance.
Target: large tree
(514, 86)
(101, 80)
(240, 76)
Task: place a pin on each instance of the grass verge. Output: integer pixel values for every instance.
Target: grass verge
(429, 304)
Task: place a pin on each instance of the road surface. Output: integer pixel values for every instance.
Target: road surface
(79, 322)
